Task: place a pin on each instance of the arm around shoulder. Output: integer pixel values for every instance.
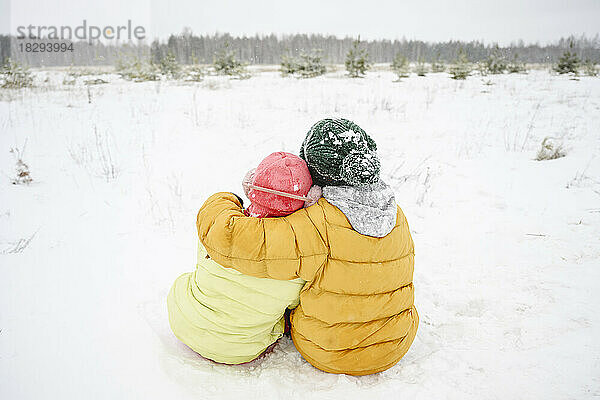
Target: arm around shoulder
(279, 248)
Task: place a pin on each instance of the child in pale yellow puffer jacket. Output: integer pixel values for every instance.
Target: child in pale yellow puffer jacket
(230, 317)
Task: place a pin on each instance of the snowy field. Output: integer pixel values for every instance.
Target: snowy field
(507, 270)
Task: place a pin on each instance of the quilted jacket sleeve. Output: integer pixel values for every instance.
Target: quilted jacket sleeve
(279, 248)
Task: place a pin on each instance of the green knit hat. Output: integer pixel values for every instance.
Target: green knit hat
(339, 153)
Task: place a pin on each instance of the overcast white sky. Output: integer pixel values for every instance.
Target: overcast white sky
(433, 20)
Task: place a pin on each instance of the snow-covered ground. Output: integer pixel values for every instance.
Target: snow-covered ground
(507, 248)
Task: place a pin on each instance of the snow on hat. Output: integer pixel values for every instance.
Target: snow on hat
(283, 172)
(339, 153)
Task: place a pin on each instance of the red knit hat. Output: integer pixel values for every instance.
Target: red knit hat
(283, 172)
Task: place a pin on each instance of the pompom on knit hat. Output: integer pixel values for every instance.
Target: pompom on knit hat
(340, 153)
(283, 172)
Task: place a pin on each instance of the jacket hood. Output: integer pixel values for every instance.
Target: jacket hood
(370, 209)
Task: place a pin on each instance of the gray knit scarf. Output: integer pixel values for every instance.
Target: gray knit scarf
(370, 209)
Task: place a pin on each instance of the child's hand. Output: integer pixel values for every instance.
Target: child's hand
(248, 179)
(313, 195)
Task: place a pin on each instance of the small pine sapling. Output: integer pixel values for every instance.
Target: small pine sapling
(288, 65)
(357, 61)
(590, 68)
(568, 63)
(310, 64)
(496, 62)
(515, 66)
(169, 67)
(421, 68)
(400, 66)
(481, 68)
(194, 72)
(438, 65)
(14, 75)
(461, 67)
(132, 69)
(225, 63)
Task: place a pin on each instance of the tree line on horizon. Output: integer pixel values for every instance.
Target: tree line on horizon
(188, 48)
(14, 75)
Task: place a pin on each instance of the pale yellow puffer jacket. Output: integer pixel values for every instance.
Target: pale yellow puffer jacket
(227, 316)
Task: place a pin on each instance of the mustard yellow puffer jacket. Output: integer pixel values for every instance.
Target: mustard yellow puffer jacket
(356, 314)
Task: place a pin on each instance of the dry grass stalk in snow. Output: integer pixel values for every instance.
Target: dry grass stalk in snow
(550, 150)
(108, 170)
(22, 175)
(18, 246)
(215, 84)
